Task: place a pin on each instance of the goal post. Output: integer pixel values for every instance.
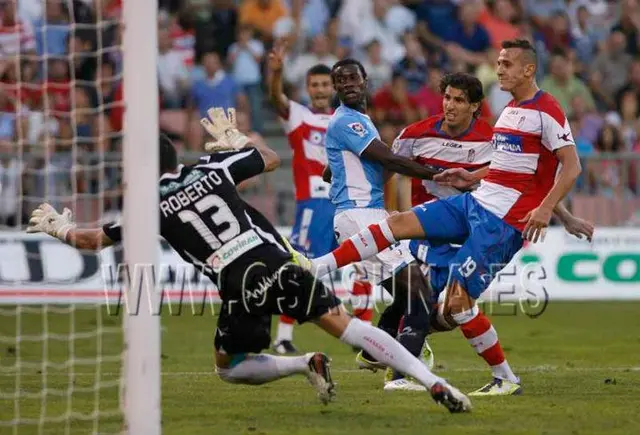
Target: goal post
(141, 389)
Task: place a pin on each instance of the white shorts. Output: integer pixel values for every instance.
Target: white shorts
(386, 263)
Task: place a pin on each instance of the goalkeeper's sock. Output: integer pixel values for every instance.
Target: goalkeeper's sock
(262, 368)
(385, 349)
(365, 244)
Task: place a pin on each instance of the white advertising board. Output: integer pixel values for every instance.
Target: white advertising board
(40, 269)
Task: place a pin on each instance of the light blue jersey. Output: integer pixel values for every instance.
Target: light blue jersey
(355, 182)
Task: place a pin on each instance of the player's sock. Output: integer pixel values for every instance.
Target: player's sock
(482, 336)
(285, 329)
(365, 244)
(414, 330)
(260, 369)
(385, 349)
(363, 301)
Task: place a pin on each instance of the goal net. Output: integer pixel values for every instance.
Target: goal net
(63, 67)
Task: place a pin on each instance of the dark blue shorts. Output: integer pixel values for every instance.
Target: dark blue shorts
(487, 243)
(312, 232)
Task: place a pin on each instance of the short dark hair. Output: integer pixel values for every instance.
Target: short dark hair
(168, 156)
(319, 70)
(525, 46)
(349, 61)
(470, 85)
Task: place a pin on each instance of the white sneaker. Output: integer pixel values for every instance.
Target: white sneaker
(404, 385)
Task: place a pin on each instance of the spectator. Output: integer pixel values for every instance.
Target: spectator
(613, 66)
(314, 16)
(173, 76)
(82, 48)
(394, 105)
(429, 97)
(629, 24)
(633, 84)
(319, 54)
(541, 11)
(468, 40)
(11, 170)
(497, 17)
(217, 89)
(413, 66)
(378, 69)
(218, 31)
(52, 30)
(587, 123)
(607, 172)
(262, 15)
(243, 121)
(557, 33)
(245, 57)
(563, 85)
(16, 35)
(588, 37)
(182, 35)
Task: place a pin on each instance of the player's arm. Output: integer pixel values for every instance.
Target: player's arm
(275, 64)
(379, 152)
(573, 224)
(46, 219)
(404, 193)
(460, 178)
(538, 219)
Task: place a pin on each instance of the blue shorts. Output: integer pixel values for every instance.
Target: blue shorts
(438, 259)
(488, 243)
(312, 232)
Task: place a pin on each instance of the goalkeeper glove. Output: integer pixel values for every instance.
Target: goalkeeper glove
(223, 129)
(45, 219)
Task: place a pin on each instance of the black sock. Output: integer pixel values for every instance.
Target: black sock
(415, 330)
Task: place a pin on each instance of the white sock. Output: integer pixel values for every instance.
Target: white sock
(285, 332)
(260, 369)
(388, 351)
(503, 371)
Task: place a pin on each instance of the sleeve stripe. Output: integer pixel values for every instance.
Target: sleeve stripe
(367, 145)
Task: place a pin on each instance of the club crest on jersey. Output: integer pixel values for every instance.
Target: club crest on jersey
(521, 121)
(471, 155)
(357, 128)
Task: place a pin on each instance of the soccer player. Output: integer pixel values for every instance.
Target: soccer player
(534, 165)
(312, 232)
(205, 221)
(359, 164)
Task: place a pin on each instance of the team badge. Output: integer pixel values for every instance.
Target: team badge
(521, 121)
(471, 156)
(358, 128)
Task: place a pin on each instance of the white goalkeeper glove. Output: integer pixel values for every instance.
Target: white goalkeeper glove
(45, 219)
(222, 128)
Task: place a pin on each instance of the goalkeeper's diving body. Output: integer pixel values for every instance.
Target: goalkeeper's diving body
(205, 221)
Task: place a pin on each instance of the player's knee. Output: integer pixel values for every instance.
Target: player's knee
(403, 225)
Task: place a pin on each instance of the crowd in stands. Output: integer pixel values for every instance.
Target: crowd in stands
(61, 77)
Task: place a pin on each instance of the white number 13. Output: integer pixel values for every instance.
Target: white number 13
(221, 216)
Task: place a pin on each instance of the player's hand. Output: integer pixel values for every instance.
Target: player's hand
(45, 219)
(455, 177)
(222, 127)
(275, 60)
(580, 228)
(537, 223)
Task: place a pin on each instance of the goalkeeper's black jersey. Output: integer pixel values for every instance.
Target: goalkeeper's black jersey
(202, 216)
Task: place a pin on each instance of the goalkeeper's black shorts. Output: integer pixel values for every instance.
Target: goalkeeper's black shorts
(263, 283)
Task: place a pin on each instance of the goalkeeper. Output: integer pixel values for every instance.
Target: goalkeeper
(258, 275)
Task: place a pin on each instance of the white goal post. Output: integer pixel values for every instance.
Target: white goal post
(141, 389)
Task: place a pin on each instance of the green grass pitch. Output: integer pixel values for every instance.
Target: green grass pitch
(579, 363)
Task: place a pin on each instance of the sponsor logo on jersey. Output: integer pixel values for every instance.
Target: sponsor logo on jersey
(564, 137)
(358, 128)
(233, 249)
(507, 142)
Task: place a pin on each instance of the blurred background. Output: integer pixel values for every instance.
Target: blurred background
(61, 90)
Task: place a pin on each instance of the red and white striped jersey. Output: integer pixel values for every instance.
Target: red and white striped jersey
(523, 167)
(425, 142)
(306, 131)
